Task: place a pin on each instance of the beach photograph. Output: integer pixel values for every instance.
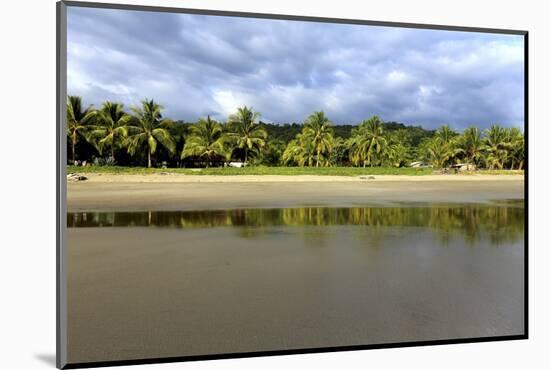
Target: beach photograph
(240, 185)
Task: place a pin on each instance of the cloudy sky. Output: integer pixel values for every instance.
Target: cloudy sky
(196, 65)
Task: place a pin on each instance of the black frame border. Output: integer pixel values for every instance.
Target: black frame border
(61, 87)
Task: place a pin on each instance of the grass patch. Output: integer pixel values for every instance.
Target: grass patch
(492, 172)
(260, 170)
(286, 171)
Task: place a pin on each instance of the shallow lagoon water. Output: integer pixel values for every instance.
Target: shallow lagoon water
(158, 284)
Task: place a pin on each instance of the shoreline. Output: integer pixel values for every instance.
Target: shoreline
(170, 177)
(186, 192)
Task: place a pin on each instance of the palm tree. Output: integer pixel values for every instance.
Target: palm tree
(339, 153)
(300, 151)
(470, 144)
(496, 146)
(445, 133)
(516, 145)
(78, 121)
(449, 139)
(436, 151)
(319, 129)
(368, 142)
(397, 154)
(397, 151)
(245, 131)
(206, 140)
(148, 127)
(112, 128)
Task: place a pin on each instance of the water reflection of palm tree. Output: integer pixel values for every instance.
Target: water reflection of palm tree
(499, 223)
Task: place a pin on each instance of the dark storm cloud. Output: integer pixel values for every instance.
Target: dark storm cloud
(197, 65)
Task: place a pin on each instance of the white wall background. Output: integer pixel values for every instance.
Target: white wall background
(27, 120)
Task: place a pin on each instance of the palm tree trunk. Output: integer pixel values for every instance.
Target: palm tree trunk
(245, 157)
(113, 152)
(73, 145)
(149, 158)
(318, 154)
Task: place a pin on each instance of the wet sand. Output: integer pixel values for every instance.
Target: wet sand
(184, 192)
(153, 292)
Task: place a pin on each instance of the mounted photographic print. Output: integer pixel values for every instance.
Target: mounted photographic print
(235, 184)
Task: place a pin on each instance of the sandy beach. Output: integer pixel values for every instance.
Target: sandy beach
(161, 292)
(195, 192)
(139, 292)
(184, 178)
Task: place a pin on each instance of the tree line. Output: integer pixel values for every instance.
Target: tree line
(141, 136)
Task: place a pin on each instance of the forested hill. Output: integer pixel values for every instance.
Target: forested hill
(288, 131)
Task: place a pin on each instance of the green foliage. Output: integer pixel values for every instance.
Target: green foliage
(471, 145)
(340, 152)
(271, 155)
(144, 136)
(79, 122)
(205, 142)
(284, 133)
(368, 143)
(148, 128)
(318, 130)
(260, 170)
(111, 128)
(516, 148)
(300, 151)
(436, 151)
(496, 146)
(245, 132)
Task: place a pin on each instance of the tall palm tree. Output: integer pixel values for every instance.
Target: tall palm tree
(78, 121)
(449, 138)
(319, 129)
(205, 141)
(368, 141)
(148, 127)
(471, 144)
(245, 132)
(112, 127)
(445, 133)
(496, 146)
